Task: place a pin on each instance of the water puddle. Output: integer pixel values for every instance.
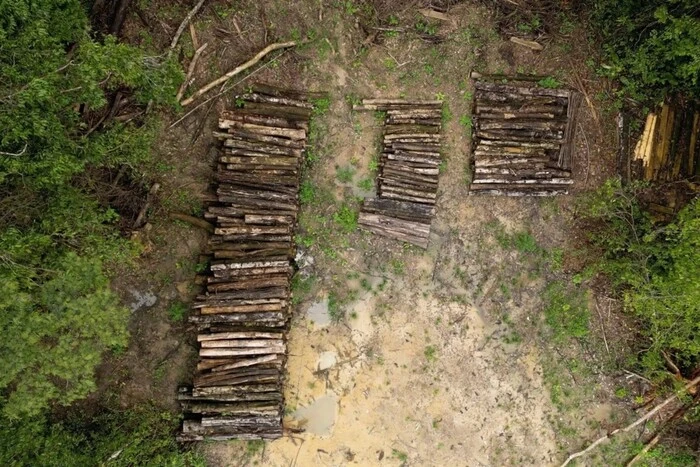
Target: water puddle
(318, 314)
(319, 417)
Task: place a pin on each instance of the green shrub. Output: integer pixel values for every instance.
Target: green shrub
(651, 46)
(346, 218)
(656, 268)
(566, 311)
(57, 311)
(142, 436)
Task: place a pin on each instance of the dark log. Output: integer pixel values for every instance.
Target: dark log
(243, 135)
(433, 148)
(260, 253)
(397, 174)
(515, 180)
(248, 362)
(238, 352)
(232, 122)
(519, 124)
(401, 195)
(262, 88)
(518, 135)
(272, 318)
(242, 343)
(293, 114)
(281, 101)
(414, 121)
(278, 280)
(430, 196)
(253, 230)
(418, 136)
(223, 309)
(252, 408)
(516, 99)
(404, 167)
(271, 292)
(244, 192)
(401, 210)
(251, 158)
(240, 335)
(410, 129)
(415, 161)
(262, 147)
(293, 134)
(388, 181)
(520, 90)
(524, 144)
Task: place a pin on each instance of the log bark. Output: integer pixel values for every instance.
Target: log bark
(239, 335)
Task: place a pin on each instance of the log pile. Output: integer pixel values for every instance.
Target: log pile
(669, 147)
(408, 170)
(242, 317)
(523, 139)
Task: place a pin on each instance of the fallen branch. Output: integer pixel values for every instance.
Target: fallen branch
(237, 70)
(190, 71)
(195, 221)
(632, 425)
(15, 154)
(141, 218)
(646, 449)
(184, 24)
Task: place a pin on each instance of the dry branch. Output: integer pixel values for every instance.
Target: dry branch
(190, 71)
(184, 24)
(634, 424)
(238, 70)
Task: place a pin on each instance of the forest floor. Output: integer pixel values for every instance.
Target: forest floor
(463, 354)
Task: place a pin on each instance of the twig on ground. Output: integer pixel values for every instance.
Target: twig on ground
(238, 70)
(646, 449)
(141, 218)
(184, 24)
(633, 374)
(193, 35)
(588, 154)
(602, 326)
(632, 425)
(190, 71)
(227, 89)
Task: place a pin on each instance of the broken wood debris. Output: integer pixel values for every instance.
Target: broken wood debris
(408, 170)
(523, 139)
(242, 317)
(669, 147)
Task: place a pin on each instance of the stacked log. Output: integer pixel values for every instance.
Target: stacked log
(669, 147)
(408, 170)
(523, 139)
(242, 317)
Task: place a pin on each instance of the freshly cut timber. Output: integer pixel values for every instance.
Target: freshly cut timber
(523, 138)
(408, 170)
(242, 318)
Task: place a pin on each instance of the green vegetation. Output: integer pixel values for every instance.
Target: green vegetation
(346, 218)
(344, 174)
(430, 353)
(140, 436)
(301, 287)
(655, 267)
(549, 82)
(366, 184)
(58, 313)
(651, 46)
(566, 311)
(177, 311)
(400, 455)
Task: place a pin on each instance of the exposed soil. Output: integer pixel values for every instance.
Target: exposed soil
(442, 357)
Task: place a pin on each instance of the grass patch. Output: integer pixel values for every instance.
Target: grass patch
(346, 218)
(344, 174)
(566, 311)
(307, 192)
(301, 287)
(366, 184)
(430, 353)
(177, 311)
